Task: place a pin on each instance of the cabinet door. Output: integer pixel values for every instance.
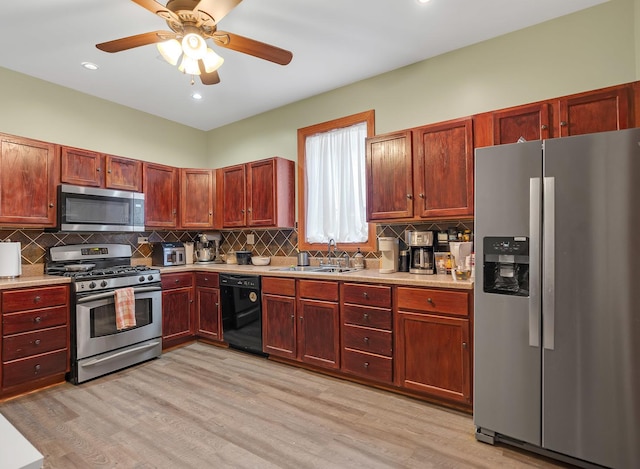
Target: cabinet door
(197, 189)
(433, 355)
(443, 169)
(208, 308)
(233, 190)
(81, 167)
(160, 187)
(123, 173)
(261, 180)
(529, 122)
(29, 176)
(597, 111)
(319, 333)
(279, 325)
(389, 176)
(177, 316)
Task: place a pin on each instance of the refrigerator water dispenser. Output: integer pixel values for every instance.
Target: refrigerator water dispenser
(506, 265)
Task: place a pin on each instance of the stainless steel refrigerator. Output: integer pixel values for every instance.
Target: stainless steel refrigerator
(557, 297)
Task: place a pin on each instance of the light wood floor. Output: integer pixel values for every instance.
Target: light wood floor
(205, 407)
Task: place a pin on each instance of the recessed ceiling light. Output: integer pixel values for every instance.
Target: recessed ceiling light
(423, 1)
(89, 65)
(196, 95)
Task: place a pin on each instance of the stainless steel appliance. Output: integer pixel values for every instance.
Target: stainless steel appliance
(241, 312)
(421, 252)
(557, 302)
(97, 271)
(207, 247)
(168, 254)
(92, 209)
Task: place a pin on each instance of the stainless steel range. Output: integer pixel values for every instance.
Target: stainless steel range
(99, 343)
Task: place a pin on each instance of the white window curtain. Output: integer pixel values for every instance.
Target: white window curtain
(335, 185)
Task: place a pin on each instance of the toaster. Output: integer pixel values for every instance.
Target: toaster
(168, 254)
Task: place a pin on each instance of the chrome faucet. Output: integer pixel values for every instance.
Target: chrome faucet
(332, 242)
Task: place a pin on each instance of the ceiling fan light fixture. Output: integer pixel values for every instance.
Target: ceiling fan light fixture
(189, 66)
(212, 61)
(194, 46)
(170, 50)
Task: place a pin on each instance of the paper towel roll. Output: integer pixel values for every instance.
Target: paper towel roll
(10, 260)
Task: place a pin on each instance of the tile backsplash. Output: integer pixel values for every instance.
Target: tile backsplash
(276, 242)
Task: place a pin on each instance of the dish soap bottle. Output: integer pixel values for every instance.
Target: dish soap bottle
(358, 260)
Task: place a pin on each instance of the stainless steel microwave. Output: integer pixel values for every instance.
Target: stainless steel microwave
(92, 209)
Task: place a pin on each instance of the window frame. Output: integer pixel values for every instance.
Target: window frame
(303, 133)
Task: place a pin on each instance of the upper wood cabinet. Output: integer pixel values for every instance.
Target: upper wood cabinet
(161, 188)
(29, 176)
(197, 191)
(389, 169)
(529, 122)
(90, 168)
(443, 169)
(256, 194)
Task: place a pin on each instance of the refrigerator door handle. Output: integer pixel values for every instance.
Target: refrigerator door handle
(534, 261)
(548, 261)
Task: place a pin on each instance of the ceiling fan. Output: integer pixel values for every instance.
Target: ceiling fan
(192, 22)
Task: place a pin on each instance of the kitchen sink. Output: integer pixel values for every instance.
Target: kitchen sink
(335, 269)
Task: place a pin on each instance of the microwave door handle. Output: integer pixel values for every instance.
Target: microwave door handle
(109, 294)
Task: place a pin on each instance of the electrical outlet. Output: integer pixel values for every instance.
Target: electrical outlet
(143, 240)
(251, 239)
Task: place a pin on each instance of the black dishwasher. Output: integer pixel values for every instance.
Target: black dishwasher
(241, 312)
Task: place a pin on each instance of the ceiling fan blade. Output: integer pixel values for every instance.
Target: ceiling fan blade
(217, 9)
(158, 9)
(138, 40)
(208, 78)
(252, 47)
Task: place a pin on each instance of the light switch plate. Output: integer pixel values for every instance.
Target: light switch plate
(251, 239)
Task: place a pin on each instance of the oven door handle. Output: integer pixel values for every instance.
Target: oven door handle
(97, 361)
(109, 294)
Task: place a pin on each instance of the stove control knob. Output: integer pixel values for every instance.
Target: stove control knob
(150, 277)
(103, 283)
(141, 278)
(92, 285)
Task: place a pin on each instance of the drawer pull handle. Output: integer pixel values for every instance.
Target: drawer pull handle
(365, 295)
(429, 300)
(366, 340)
(366, 364)
(37, 342)
(365, 316)
(177, 280)
(37, 299)
(37, 319)
(36, 369)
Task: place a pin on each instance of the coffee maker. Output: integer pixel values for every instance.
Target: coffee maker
(388, 246)
(421, 252)
(506, 265)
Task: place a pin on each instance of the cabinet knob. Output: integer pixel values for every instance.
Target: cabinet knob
(37, 319)
(217, 304)
(36, 369)
(98, 169)
(242, 211)
(37, 299)
(109, 171)
(248, 210)
(366, 364)
(365, 316)
(36, 342)
(300, 318)
(421, 195)
(177, 280)
(50, 205)
(409, 196)
(563, 123)
(429, 300)
(464, 345)
(365, 294)
(544, 127)
(366, 340)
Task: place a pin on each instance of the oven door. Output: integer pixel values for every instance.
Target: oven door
(95, 323)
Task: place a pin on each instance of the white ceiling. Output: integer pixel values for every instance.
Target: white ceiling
(334, 43)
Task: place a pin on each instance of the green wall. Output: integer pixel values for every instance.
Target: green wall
(586, 50)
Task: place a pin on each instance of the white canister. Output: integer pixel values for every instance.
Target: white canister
(10, 260)
(188, 252)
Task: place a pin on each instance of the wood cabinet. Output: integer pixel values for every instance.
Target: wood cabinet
(35, 338)
(257, 194)
(529, 122)
(197, 196)
(90, 168)
(209, 319)
(367, 336)
(433, 349)
(178, 312)
(29, 176)
(318, 323)
(279, 331)
(443, 169)
(389, 172)
(161, 189)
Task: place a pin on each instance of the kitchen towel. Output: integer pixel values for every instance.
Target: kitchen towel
(125, 308)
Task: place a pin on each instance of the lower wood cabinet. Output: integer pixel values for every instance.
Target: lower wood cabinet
(209, 320)
(35, 338)
(433, 349)
(178, 312)
(279, 337)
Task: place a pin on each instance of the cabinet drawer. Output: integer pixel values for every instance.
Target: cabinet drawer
(367, 365)
(318, 290)
(368, 317)
(209, 279)
(440, 301)
(279, 286)
(181, 280)
(33, 343)
(367, 339)
(29, 369)
(22, 300)
(367, 295)
(14, 323)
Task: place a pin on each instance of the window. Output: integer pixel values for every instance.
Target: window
(332, 186)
